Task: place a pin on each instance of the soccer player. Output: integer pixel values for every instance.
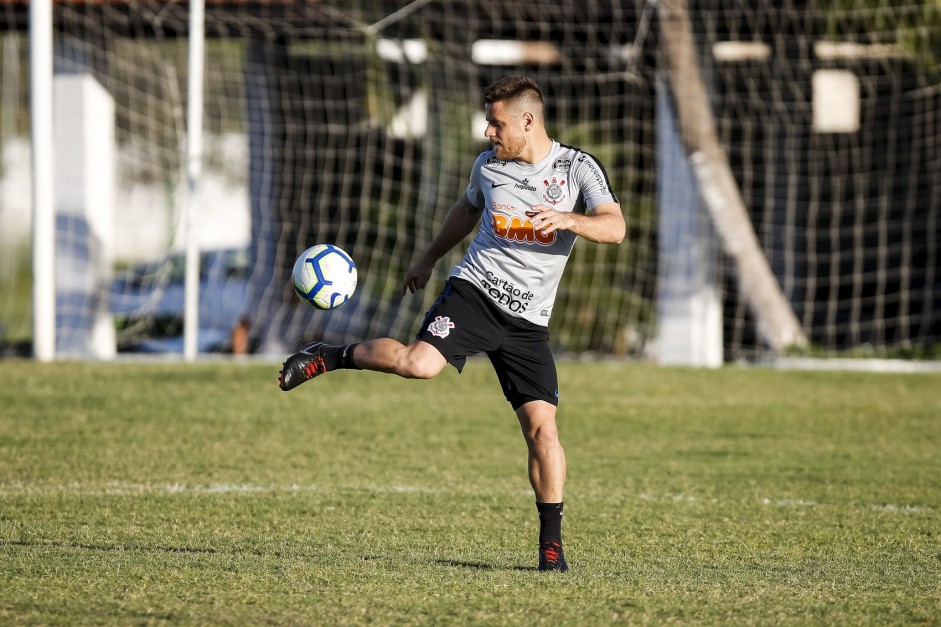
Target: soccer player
(529, 198)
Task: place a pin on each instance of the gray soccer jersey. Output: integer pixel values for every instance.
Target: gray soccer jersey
(518, 267)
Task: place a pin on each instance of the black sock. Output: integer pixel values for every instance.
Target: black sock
(346, 357)
(550, 522)
(338, 357)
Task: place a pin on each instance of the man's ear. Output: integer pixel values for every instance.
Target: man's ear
(528, 121)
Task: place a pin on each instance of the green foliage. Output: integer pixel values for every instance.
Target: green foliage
(914, 27)
(927, 352)
(200, 494)
(16, 296)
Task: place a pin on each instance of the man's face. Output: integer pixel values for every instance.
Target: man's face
(504, 130)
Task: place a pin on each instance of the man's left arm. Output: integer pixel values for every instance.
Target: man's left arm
(605, 224)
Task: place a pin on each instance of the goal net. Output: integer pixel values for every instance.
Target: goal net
(829, 116)
(357, 124)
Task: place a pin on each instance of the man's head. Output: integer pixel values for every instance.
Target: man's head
(515, 113)
(519, 92)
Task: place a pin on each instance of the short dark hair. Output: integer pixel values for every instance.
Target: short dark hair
(516, 89)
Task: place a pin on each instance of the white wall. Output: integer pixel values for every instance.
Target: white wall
(143, 214)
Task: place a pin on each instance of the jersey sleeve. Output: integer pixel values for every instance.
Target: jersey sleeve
(475, 193)
(594, 186)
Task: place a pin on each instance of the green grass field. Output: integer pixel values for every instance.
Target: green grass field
(201, 494)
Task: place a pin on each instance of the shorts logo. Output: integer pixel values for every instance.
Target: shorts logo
(441, 326)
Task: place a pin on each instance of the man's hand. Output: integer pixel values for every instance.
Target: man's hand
(417, 277)
(605, 224)
(547, 220)
(459, 223)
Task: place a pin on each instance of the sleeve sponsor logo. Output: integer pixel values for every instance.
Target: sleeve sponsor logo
(602, 184)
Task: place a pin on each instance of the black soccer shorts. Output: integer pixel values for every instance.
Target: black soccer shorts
(464, 322)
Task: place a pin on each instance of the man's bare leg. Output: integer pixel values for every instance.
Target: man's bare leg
(547, 469)
(418, 360)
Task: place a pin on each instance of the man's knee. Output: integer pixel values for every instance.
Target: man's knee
(543, 434)
(422, 361)
(537, 419)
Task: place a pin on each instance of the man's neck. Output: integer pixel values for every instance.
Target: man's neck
(537, 151)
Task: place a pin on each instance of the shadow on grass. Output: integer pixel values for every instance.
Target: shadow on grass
(118, 548)
(480, 565)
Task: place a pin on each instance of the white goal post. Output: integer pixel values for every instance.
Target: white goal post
(43, 209)
(194, 163)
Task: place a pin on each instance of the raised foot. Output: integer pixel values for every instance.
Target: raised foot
(301, 367)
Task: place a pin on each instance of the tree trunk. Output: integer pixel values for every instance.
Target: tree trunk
(777, 324)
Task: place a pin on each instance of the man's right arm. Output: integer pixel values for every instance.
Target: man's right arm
(460, 221)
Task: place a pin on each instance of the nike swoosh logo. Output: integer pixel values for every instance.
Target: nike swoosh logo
(495, 185)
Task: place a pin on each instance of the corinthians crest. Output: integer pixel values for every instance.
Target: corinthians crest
(441, 326)
(555, 192)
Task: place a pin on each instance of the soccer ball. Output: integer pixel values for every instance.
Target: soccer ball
(324, 276)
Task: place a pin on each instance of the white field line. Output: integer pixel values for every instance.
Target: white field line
(122, 488)
(782, 503)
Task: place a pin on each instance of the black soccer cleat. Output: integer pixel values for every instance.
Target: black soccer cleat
(302, 367)
(552, 557)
